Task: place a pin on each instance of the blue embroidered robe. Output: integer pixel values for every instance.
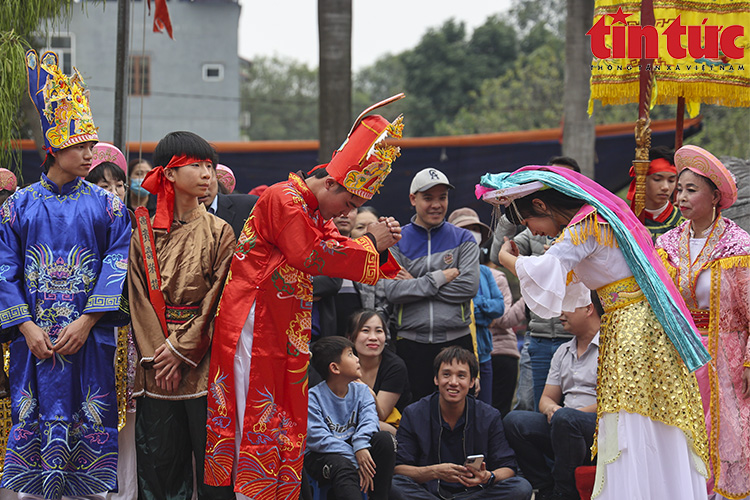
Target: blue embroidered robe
(64, 253)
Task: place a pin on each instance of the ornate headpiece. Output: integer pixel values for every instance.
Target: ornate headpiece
(364, 160)
(108, 152)
(62, 102)
(225, 176)
(508, 194)
(703, 163)
(7, 180)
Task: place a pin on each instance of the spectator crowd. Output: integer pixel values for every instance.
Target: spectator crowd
(157, 326)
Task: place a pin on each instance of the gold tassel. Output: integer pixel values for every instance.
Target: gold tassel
(731, 262)
(588, 227)
(613, 91)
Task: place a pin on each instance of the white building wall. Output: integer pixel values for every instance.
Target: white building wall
(205, 32)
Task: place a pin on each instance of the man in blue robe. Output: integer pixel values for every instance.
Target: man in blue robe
(64, 246)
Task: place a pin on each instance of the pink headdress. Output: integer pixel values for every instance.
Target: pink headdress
(107, 152)
(701, 162)
(225, 175)
(7, 180)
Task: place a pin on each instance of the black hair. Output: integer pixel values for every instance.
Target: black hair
(555, 201)
(370, 209)
(320, 173)
(597, 303)
(97, 173)
(458, 354)
(564, 160)
(137, 161)
(326, 351)
(5, 194)
(661, 152)
(49, 160)
(183, 143)
(484, 251)
(708, 181)
(358, 320)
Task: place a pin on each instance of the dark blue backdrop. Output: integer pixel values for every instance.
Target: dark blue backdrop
(463, 166)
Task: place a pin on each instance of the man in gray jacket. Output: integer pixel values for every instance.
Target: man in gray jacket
(432, 295)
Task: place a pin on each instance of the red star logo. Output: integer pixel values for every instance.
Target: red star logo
(619, 17)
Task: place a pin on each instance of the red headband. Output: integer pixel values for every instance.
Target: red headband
(157, 183)
(657, 165)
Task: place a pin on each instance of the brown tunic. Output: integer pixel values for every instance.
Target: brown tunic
(194, 260)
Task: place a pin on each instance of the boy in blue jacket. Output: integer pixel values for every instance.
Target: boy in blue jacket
(345, 447)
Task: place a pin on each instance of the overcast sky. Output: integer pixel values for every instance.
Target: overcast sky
(290, 27)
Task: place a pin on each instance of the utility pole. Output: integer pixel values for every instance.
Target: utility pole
(121, 72)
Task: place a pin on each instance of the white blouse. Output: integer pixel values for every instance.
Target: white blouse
(543, 277)
(703, 284)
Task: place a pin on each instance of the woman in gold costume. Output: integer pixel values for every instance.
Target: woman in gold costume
(651, 441)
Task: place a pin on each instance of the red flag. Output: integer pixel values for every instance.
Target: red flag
(161, 17)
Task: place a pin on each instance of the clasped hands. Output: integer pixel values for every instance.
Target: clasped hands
(387, 231)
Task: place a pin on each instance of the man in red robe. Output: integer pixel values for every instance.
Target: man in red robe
(257, 408)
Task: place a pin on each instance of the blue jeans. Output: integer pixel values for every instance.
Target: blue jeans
(513, 488)
(565, 441)
(541, 350)
(525, 391)
(485, 382)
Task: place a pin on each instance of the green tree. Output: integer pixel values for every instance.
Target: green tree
(529, 15)
(526, 97)
(19, 19)
(445, 68)
(493, 48)
(386, 77)
(725, 132)
(281, 98)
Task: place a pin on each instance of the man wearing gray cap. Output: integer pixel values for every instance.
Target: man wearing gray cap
(432, 294)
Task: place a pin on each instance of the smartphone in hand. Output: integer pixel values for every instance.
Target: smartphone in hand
(474, 461)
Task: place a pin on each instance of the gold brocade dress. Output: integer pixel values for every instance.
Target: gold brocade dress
(651, 439)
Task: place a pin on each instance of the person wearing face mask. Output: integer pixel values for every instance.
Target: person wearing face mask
(488, 303)
(137, 195)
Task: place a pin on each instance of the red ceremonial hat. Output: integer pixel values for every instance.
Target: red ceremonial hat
(364, 160)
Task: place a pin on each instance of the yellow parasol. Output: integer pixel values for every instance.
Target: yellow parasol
(691, 52)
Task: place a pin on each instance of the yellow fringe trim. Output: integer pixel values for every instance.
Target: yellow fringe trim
(5, 410)
(713, 341)
(587, 227)
(731, 262)
(613, 90)
(671, 269)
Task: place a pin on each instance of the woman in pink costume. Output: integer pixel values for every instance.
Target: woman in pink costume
(708, 257)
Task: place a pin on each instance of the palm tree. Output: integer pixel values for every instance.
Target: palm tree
(578, 128)
(335, 74)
